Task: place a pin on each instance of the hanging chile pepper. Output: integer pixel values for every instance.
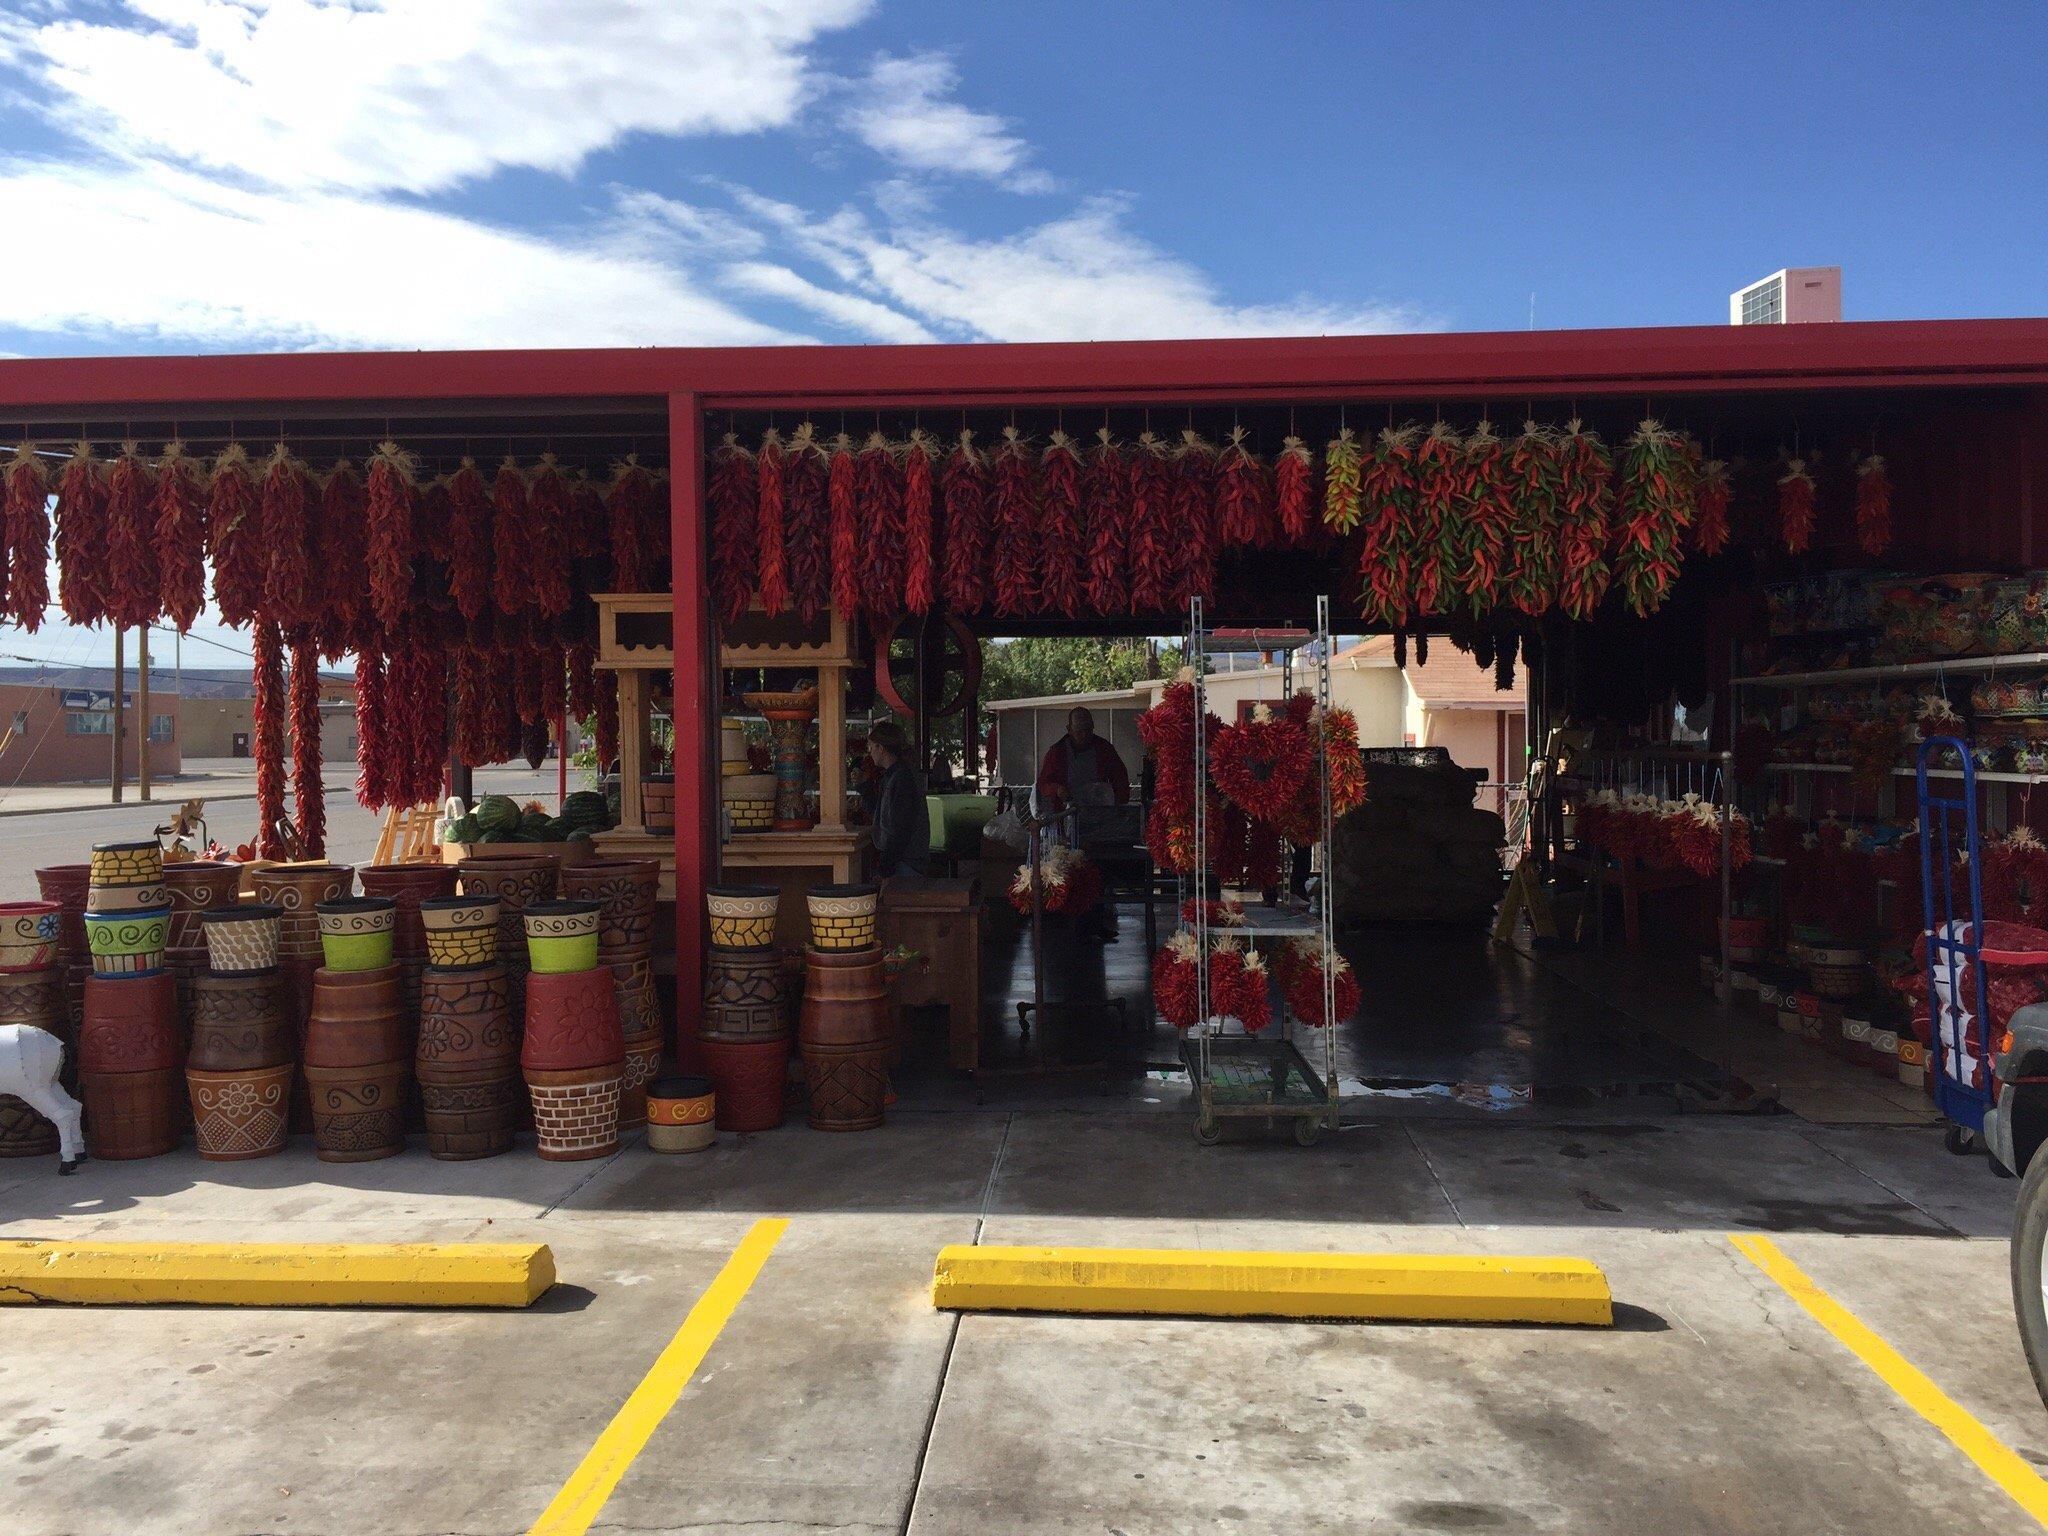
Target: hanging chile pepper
(878, 485)
(657, 508)
(630, 504)
(807, 517)
(607, 717)
(1874, 512)
(1294, 508)
(288, 494)
(1340, 482)
(1014, 520)
(771, 582)
(1713, 495)
(27, 538)
(1535, 489)
(1387, 505)
(1654, 504)
(131, 540)
(919, 579)
(1587, 479)
(581, 698)
(373, 749)
(512, 540)
(470, 515)
(1240, 494)
(963, 550)
(1484, 519)
(733, 491)
(1796, 511)
(391, 516)
(1193, 518)
(234, 537)
(1151, 555)
(309, 794)
(1439, 483)
(1109, 514)
(477, 706)
(842, 496)
(178, 533)
(425, 703)
(550, 511)
(341, 558)
(81, 538)
(268, 708)
(434, 523)
(1062, 573)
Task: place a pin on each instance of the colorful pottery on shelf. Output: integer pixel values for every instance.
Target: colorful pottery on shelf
(29, 931)
(137, 863)
(681, 1112)
(195, 887)
(845, 1040)
(242, 941)
(749, 815)
(658, 802)
(408, 885)
(297, 890)
(575, 1111)
(843, 916)
(625, 891)
(358, 933)
(572, 1021)
(561, 936)
(460, 930)
(126, 943)
(742, 916)
(115, 899)
(237, 1116)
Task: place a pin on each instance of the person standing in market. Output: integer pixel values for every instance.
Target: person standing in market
(1085, 771)
(902, 825)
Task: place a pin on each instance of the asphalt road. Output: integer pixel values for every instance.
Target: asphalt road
(64, 837)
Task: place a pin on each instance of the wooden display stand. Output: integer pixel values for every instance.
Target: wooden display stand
(941, 920)
(636, 638)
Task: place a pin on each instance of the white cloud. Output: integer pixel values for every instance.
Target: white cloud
(419, 95)
(850, 311)
(903, 110)
(176, 257)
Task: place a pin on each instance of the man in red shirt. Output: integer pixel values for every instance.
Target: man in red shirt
(1082, 769)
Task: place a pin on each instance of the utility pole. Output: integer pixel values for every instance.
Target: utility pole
(120, 684)
(142, 709)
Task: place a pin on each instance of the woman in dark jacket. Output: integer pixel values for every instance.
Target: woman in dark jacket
(903, 829)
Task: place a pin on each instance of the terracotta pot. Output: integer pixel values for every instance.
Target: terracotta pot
(23, 1132)
(239, 1024)
(296, 889)
(407, 885)
(843, 916)
(132, 1114)
(357, 1019)
(742, 916)
(115, 900)
(137, 863)
(197, 886)
(625, 892)
(127, 943)
(29, 932)
(237, 1116)
(576, 1112)
(658, 801)
(633, 981)
(517, 881)
(358, 1111)
(460, 930)
(37, 998)
(131, 1025)
(680, 1114)
(643, 1065)
(746, 995)
(750, 1077)
(466, 1021)
(846, 1042)
(357, 932)
(471, 1112)
(242, 941)
(572, 1022)
(66, 884)
(561, 936)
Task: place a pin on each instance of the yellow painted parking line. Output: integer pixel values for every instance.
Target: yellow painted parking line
(275, 1274)
(583, 1497)
(1994, 1458)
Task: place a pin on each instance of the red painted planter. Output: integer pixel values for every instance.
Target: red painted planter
(131, 1025)
(751, 1078)
(406, 886)
(572, 1021)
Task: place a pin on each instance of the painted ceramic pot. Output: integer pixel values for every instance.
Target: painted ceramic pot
(742, 916)
(732, 741)
(517, 881)
(37, 998)
(358, 933)
(239, 1024)
(625, 892)
(357, 1018)
(67, 884)
(750, 1078)
(845, 1039)
(842, 916)
(633, 981)
(561, 937)
(137, 863)
(358, 1112)
(237, 1116)
(125, 943)
(466, 1020)
(680, 1114)
(132, 1114)
(748, 815)
(658, 801)
(470, 1112)
(131, 1024)
(113, 899)
(460, 930)
(408, 885)
(575, 1112)
(23, 1132)
(296, 890)
(197, 886)
(747, 995)
(242, 941)
(28, 935)
(643, 1065)
(572, 1021)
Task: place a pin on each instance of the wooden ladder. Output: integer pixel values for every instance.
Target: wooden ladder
(408, 836)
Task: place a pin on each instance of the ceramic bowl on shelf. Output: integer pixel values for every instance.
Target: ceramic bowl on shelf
(796, 701)
(751, 815)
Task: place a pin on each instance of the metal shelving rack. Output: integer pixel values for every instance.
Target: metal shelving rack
(1266, 1077)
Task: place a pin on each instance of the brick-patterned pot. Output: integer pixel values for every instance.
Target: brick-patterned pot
(658, 802)
(239, 1024)
(131, 1025)
(66, 884)
(296, 889)
(680, 1114)
(407, 885)
(237, 1116)
(460, 930)
(28, 935)
(358, 1111)
(751, 1077)
(137, 863)
(643, 1065)
(576, 1112)
(572, 1021)
(471, 1112)
(197, 886)
(357, 1019)
(244, 940)
(845, 1040)
(746, 994)
(625, 891)
(843, 916)
(132, 1114)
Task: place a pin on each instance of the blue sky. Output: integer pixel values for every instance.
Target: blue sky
(261, 174)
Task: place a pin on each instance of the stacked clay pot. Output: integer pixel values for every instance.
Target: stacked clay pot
(195, 887)
(131, 1052)
(515, 881)
(467, 1058)
(32, 993)
(745, 1031)
(407, 885)
(574, 1052)
(67, 885)
(358, 1051)
(844, 1034)
(681, 1114)
(242, 1067)
(624, 891)
(295, 890)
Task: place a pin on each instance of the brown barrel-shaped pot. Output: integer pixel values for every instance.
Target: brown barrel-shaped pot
(466, 1020)
(358, 1111)
(639, 1006)
(239, 1024)
(296, 889)
(240, 1115)
(471, 1112)
(575, 1112)
(572, 1021)
(357, 1019)
(746, 994)
(67, 884)
(23, 1132)
(845, 1039)
(406, 886)
(196, 886)
(131, 1025)
(751, 1078)
(624, 890)
(37, 998)
(643, 1066)
(132, 1114)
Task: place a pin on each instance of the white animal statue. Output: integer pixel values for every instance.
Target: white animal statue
(30, 1060)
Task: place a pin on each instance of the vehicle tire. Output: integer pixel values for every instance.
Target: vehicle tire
(2029, 1234)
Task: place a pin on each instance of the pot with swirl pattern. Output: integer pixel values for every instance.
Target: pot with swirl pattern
(358, 933)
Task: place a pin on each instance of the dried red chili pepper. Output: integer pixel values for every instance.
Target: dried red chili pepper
(1014, 566)
(878, 486)
(27, 537)
(607, 717)
(288, 494)
(341, 568)
(806, 522)
(963, 555)
(1062, 558)
(1712, 498)
(1193, 517)
(1294, 492)
(631, 504)
(435, 521)
(131, 540)
(478, 705)
(658, 508)
(470, 515)
(373, 748)
(512, 540)
(1535, 473)
(733, 491)
(392, 536)
(177, 520)
(269, 710)
(842, 497)
(1152, 555)
(309, 793)
(1439, 486)
(772, 574)
(81, 538)
(1108, 492)
(581, 662)
(1587, 483)
(234, 536)
(1484, 517)
(1240, 495)
(425, 702)
(1874, 513)
(1796, 509)
(1655, 501)
(1387, 508)
(919, 579)
(551, 512)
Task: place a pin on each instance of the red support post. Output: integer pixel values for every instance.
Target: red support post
(696, 697)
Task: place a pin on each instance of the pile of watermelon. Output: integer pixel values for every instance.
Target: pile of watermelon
(501, 819)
